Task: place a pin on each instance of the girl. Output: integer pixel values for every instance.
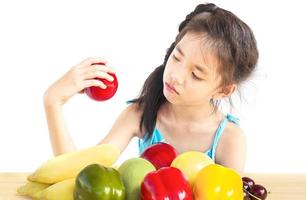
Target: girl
(212, 54)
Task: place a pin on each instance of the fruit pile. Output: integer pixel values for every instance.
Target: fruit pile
(159, 173)
(55, 179)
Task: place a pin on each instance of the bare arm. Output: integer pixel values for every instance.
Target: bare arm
(125, 128)
(74, 81)
(231, 150)
(59, 136)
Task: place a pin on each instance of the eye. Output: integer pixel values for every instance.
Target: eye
(195, 77)
(175, 58)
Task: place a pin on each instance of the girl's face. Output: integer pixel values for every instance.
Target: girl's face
(190, 76)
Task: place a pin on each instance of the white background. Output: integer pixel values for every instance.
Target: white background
(41, 40)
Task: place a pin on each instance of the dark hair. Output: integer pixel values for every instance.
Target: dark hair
(232, 42)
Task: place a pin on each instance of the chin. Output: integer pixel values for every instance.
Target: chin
(171, 98)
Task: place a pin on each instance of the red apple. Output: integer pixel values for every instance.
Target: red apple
(99, 94)
(160, 154)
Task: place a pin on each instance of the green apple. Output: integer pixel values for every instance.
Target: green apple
(132, 172)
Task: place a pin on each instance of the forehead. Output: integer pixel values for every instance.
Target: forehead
(192, 40)
(197, 49)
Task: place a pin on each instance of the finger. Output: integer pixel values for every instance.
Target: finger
(92, 60)
(104, 68)
(94, 82)
(97, 74)
(110, 69)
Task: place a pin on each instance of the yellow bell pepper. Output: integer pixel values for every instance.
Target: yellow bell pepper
(215, 182)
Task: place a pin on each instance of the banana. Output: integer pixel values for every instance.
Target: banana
(59, 191)
(30, 188)
(68, 165)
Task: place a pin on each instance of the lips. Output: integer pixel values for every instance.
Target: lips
(171, 88)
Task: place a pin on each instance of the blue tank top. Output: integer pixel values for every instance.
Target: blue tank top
(157, 137)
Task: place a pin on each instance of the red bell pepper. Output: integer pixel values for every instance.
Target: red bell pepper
(167, 183)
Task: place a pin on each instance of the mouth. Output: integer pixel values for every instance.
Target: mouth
(171, 88)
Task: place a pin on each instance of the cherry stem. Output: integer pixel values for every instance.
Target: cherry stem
(254, 195)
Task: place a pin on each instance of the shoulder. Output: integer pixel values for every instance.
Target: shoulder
(233, 142)
(125, 127)
(132, 116)
(232, 134)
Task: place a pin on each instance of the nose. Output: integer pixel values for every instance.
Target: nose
(178, 76)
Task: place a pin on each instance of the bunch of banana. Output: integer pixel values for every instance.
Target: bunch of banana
(55, 178)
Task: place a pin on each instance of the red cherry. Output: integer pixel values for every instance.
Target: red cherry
(258, 192)
(247, 183)
(99, 94)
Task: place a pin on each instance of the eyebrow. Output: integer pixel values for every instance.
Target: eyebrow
(201, 69)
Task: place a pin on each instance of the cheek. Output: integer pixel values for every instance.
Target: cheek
(168, 70)
(197, 90)
(165, 74)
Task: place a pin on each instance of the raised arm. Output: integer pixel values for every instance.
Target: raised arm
(74, 81)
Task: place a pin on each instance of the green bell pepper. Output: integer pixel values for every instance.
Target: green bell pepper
(96, 182)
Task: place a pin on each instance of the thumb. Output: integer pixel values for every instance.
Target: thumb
(82, 91)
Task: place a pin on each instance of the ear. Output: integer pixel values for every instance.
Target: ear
(225, 91)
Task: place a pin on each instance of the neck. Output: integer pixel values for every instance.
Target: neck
(187, 114)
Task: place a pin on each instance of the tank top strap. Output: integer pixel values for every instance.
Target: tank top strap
(219, 131)
(233, 119)
(129, 101)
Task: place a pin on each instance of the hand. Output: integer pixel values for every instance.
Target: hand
(77, 79)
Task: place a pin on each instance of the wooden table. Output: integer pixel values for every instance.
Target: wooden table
(281, 186)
